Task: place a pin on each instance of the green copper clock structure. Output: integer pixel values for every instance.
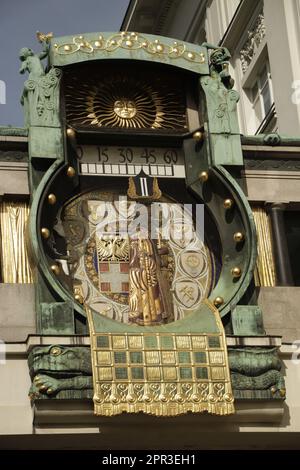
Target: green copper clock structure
(129, 133)
(110, 106)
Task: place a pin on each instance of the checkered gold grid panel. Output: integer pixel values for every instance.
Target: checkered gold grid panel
(161, 373)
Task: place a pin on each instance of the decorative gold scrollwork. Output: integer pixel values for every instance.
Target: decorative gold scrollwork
(129, 41)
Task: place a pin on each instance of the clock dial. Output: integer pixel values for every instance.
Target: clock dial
(131, 271)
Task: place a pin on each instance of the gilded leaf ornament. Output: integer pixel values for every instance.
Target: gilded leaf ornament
(129, 41)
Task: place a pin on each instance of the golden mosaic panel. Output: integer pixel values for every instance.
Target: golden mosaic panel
(135, 342)
(153, 373)
(119, 342)
(217, 373)
(104, 357)
(104, 373)
(163, 374)
(168, 357)
(183, 342)
(152, 357)
(216, 357)
(169, 373)
(198, 342)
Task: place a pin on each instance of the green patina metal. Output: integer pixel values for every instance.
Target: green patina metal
(277, 164)
(68, 50)
(57, 317)
(46, 143)
(43, 145)
(13, 156)
(221, 102)
(65, 372)
(255, 373)
(247, 320)
(253, 376)
(272, 140)
(213, 192)
(13, 131)
(202, 320)
(62, 372)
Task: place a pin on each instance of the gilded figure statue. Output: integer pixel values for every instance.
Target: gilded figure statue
(149, 290)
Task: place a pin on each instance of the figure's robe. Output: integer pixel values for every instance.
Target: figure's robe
(148, 289)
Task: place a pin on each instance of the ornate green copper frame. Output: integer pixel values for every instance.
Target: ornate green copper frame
(49, 162)
(212, 150)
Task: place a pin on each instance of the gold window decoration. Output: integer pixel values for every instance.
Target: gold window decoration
(264, 274)
(14, 259)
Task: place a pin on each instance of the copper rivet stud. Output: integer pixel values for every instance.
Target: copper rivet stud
(71, 172)
(236, 272)
(55, 269)
(55, 351)
(52, 199)
(203, 176)
(198, 136)
(218, 301)
(228, 203)
(45, 232)
(71, 132)
(238, 237)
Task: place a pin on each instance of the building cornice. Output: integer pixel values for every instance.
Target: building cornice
(239, 23)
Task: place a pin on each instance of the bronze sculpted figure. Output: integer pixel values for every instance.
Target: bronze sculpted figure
(40, 96)
(32, 62)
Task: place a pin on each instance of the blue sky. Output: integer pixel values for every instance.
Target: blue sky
(19, 21)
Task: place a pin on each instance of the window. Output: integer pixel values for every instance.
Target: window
(262, 95)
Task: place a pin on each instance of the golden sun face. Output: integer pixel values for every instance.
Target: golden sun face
(124, 101)
(125, 109)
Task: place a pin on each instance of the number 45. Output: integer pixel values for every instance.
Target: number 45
(149, 156)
